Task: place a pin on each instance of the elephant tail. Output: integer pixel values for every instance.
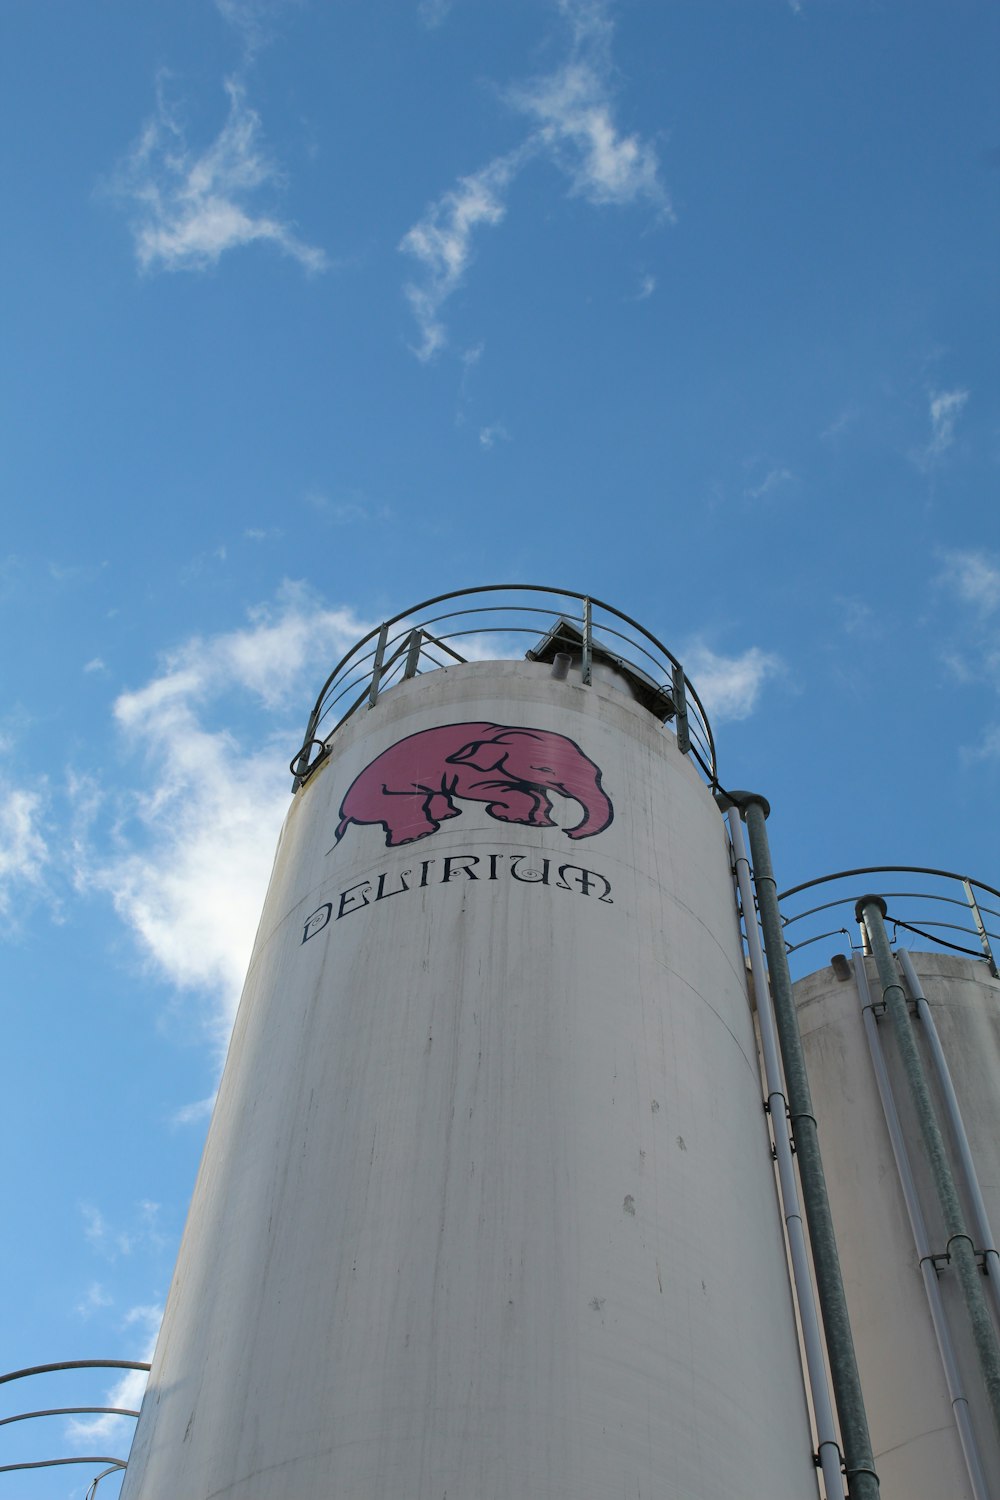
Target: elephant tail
(342, 828)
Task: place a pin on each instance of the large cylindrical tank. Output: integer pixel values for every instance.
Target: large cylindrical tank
(487, 1208)
(914, 1435)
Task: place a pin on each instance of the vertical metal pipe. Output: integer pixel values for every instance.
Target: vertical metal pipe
(862, 1480)
(967, 1166)
(959, 1246)
(827, 1445)
(928, 1270)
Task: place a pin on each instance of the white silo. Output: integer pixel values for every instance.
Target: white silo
(909, 1196)
(487, 1209)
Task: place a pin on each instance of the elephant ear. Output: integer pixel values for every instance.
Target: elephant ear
(487, 755)
(482, 755)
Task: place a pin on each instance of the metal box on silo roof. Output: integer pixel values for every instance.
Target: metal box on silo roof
(487, 1207)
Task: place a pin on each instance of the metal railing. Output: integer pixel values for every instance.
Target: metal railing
(113, 1465)
(943, 909)
(504, 622)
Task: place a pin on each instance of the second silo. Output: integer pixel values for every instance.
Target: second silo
(903, 1052)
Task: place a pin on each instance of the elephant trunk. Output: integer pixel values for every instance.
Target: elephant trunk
(597, 810)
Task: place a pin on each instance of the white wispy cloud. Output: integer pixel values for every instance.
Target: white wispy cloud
(971, 656)
(987, 749)
(495, 432)
(111, 1240)
(772, 480)
(189, 207)
(433, 12)
(573, 126)
(442, 243)
(127, 1392)
(94, 1299)
(193, 1114)
(578, 132)
(945, 408)
(195, 843)
(347, 512)
(574, 109)
(729, 686)
(844, 419)
(253, 20)
(857, 617)
(975, 577)
(24, 851)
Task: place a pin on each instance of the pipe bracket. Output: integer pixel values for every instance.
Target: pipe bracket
(818, 1455)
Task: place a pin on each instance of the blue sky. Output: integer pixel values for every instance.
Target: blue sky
(315, 309)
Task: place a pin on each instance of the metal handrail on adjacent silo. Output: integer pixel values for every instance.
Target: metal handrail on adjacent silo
(492, 623)
(116, 1464)
(927, 912)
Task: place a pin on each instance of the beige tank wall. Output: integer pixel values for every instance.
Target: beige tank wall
(487, 1207)
(913, 1433)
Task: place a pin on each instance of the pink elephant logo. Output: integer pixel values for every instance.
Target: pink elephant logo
(411, 788)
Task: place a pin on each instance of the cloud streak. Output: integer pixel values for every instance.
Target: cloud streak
(578, 133)
(729, 686)
(195, 842)
(972, 576)
(975, 578)
(573, 128)
(188, 208)
(772, 480)
(442, 243)
(945, 409)
(127, 1392)
(24, 852)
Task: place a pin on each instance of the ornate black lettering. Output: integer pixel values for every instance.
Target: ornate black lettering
(313, 924)
(463, 869)
(530, 876)
(350, 902)
(381, 894)
(493, 865)
(585, 882)
(425, 865)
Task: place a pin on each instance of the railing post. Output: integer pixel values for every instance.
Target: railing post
(681, 709)
(984, 936)
(383, 636)
(413, 654)
(586, 657)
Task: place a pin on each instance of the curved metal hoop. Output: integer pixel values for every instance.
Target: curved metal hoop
(61, 1411)
(492, 624)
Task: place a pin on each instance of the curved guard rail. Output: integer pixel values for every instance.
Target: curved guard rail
(503, 622)
(114, 1464)
(948, 911)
